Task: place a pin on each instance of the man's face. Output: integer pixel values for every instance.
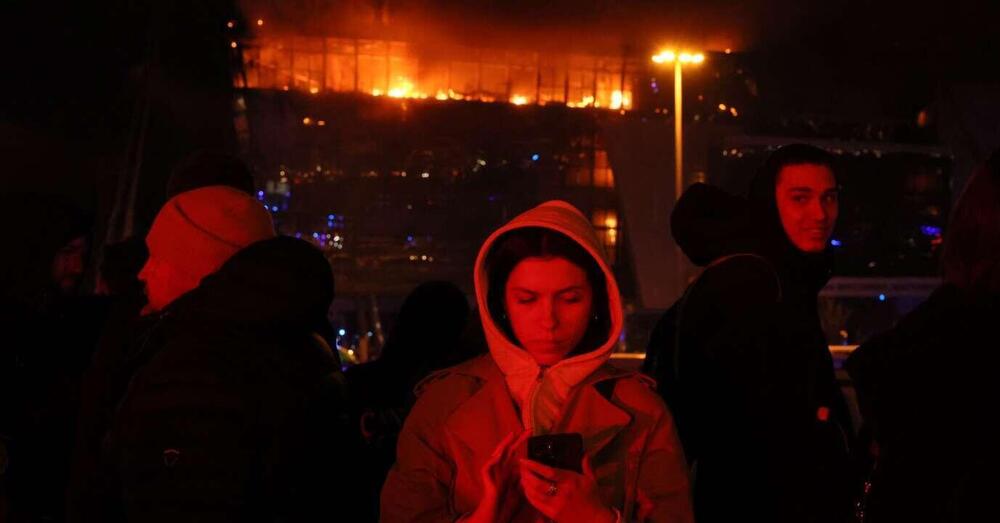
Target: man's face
(163, 284)
(67, 265)
(807, 199)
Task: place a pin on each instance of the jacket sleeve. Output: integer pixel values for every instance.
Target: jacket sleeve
(662, 491)
(418, 488)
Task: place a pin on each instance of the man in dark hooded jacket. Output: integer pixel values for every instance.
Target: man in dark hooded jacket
(235, 410)
(741, 359)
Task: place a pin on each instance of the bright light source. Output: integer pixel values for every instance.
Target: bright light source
(314, 90)
(230, 24)
(881, 297)
(729, 51)
(260, 21)
(698, 58)
(664, 57)
(534, 157)
(722, 107)
(734, 112)
(307, 121)
(519, 99)
(321, 123)
(342, 332)
(425, 175)
(686, 58)
(611, 222)
(232, 44)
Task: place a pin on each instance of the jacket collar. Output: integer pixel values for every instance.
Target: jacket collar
(488, 416)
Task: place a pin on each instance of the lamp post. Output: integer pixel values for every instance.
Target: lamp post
(679, 60)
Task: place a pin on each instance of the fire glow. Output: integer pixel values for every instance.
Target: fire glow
(396, 69)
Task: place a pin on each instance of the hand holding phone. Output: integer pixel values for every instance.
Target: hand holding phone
(562, 451)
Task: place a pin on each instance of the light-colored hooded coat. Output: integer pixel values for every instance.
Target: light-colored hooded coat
(464, 412)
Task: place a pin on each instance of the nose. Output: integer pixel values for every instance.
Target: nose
(144, 273)
(549, 319)
(818, 211)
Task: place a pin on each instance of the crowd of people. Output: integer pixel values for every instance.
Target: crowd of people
(202, 383)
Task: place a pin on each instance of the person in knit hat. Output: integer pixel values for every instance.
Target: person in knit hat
(233, 409)
(194, 234)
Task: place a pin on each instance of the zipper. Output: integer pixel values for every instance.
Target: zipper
(531, 397)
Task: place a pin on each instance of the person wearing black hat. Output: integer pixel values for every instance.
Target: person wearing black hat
(741, 358)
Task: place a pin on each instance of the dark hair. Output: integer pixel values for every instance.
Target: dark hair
(762, 187)
(971, 255)
(536, 242)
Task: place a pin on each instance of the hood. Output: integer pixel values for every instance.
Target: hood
(709, 223)
(270, 286)
(542, 400)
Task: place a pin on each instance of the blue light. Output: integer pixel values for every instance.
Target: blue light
(930, 230)
(274, 208)
(835, 243)
(331, 216)
(342, 332)
(260, 195)
(881, 297)
(316, 235)
(409, 238)
(535, 157)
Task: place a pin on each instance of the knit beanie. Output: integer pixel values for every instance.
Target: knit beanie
(197, 231)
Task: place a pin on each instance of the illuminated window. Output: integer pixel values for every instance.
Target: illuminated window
(605, 222)
(603, 175)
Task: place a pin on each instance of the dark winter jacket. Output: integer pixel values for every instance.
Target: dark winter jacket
(752, 386)
(927, 389)
(237, 412)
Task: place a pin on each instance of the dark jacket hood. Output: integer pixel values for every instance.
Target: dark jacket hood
(272, 285)
(708, 223)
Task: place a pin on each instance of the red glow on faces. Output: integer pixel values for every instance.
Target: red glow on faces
(163, 284)
(807, 199)
(548, 302)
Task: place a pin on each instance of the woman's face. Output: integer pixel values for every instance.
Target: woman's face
(548, 302)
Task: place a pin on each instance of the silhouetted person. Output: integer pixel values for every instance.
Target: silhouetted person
(234, 411)
(927, 388)
(427, 337)
(125, 331)
(742, 359)
(50, 330)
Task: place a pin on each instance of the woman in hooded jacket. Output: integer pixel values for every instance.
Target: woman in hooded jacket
(551, 312)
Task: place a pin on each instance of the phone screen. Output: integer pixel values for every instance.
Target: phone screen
(564, 451)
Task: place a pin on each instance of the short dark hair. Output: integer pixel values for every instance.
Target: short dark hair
(971, 255)
(538, 242)
(763, 184)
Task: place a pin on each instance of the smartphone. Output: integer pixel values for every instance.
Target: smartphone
(563, 451)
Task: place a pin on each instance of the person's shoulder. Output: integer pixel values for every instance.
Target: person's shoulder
(442, 391)
(636, 392)
(742, 279)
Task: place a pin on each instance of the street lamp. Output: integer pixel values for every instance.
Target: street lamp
(679, 60)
